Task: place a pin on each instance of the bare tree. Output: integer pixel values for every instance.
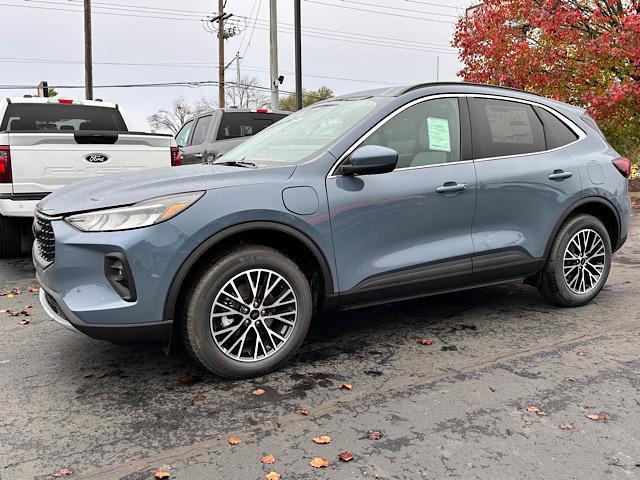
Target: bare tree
(179, 113)
(249, 95)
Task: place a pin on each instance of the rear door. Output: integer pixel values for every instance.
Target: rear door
(526, 180)
(195, 151)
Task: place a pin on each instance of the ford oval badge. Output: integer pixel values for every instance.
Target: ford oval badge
(96, 158)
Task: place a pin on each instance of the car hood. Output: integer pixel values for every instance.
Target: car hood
(128, 188)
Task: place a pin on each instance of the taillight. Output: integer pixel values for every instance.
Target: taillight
(262, 110)
(176, 158)
(66, 101)
(623, 165)
(5, 165)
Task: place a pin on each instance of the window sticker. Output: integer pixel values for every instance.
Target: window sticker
(439, 137)
(509, 124)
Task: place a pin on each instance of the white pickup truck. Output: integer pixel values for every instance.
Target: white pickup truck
(47, 143)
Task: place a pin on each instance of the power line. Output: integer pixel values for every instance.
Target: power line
(382, 13)
(432, 4)
(399, 9)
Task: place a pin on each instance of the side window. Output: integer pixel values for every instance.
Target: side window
(425, 134)
(182, 137)
(501, 128)
(200, 132)
(556, 133)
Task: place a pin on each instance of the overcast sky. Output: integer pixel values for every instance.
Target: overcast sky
(346, 46)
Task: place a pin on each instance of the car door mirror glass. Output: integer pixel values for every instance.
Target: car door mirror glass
(371, 160)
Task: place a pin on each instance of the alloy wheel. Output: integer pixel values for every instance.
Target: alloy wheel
(253, 315)
(584, 261)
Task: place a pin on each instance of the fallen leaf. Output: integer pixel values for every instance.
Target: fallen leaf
(345, 456)
(374, 434)
(426, 341)
(10, 295)
(258, 391)
(449, 348)
(199, 398)
(33, 289)
(29, 306)
(268, 459)
(601, 416)
(319, 462)
(63, 472)
(234, 440)
(580, 353)
(24, 312)
(346, 386)
(569, 379)
(272, 476)
(24, 322)
(185, 378)
(322, 439)
(566, 426)
(536, 410)
(304, 411)
(161, 474)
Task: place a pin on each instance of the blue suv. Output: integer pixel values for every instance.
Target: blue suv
(367, 198)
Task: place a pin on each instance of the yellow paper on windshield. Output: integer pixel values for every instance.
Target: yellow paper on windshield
(439, 138)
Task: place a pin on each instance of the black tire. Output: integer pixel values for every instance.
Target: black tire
(553, 285)
(10, 238)
(198, 338)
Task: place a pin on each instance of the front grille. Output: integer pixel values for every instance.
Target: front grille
(54, 305)
(45, 238)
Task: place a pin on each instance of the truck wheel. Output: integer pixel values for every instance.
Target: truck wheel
(247, 313)
(10, 238)
(578, 264)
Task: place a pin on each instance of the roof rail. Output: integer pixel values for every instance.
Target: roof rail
(472, 84)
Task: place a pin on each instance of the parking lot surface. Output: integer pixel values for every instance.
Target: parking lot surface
(485, 400)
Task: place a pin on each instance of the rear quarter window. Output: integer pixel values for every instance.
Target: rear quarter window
(61, 118)
(556, 132)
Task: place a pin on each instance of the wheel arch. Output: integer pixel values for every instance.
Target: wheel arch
(599, 207)
(295, 243)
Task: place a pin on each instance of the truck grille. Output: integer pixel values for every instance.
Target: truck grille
(45, 238)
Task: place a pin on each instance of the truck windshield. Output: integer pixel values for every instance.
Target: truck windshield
(60, 117)
(298, 137)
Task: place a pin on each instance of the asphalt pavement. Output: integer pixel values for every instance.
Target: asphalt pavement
(503, 392)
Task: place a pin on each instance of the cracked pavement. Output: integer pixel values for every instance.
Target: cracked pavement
(454, 409)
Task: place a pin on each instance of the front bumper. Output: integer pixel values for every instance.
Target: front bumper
(75, 291)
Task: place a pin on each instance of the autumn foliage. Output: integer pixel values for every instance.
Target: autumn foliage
(585, 52)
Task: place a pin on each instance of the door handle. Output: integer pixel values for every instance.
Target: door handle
(560, 175)
(197, 155)
(451, 187)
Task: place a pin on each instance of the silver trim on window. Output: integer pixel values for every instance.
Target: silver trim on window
(574, 128)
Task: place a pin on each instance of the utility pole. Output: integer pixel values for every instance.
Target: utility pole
(273, 51)
(88, 60)
(298, 42)
(221, 53)
(437, 68)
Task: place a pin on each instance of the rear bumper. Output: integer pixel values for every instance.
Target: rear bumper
(56, 309)
(17, 208)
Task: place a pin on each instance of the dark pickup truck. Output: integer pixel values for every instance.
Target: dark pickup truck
(211, 134)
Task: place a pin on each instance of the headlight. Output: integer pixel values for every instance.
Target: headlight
(138, 215)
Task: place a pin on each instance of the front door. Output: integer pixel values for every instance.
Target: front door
(407, 232)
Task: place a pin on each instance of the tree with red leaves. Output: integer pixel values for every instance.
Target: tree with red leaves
(585, 52)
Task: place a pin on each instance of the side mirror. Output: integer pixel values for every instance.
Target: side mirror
(370, 160)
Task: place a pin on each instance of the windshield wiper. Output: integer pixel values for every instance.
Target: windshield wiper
(234, 163)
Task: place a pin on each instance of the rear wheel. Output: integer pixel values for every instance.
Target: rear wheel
(578, 264)
(248, 312)
(10, 238)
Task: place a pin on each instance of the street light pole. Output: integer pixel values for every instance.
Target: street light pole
(298, 42)
(273, 53)
(88, 57)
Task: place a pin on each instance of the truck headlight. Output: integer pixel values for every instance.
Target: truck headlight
(142, 214)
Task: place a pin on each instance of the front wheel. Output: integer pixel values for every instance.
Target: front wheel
(578, 264)
(248, 312)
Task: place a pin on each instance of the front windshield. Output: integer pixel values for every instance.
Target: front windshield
(303, 134)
